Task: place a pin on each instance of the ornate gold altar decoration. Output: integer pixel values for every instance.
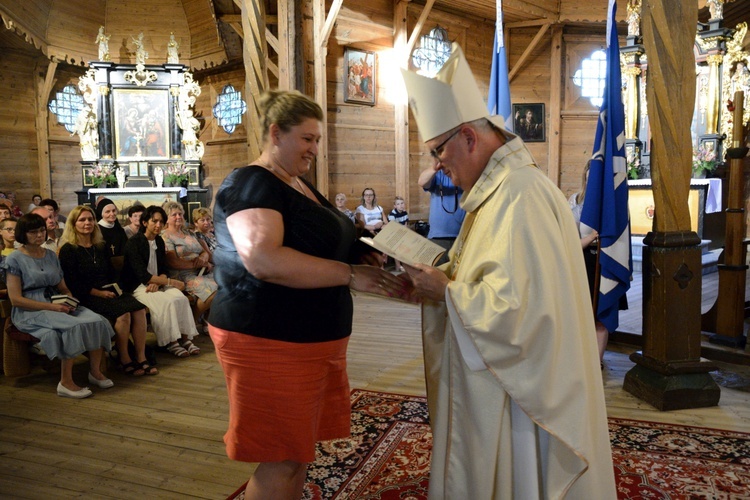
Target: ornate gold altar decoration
(735, 77)
(634, 17)
(630, 93)
(140, 77)
(87, 121)
(702, 88)
(190, 90)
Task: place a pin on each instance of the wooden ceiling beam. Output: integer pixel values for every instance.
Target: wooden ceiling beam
(532, 10)
(528, 51)
(418, 27)
(330, 21)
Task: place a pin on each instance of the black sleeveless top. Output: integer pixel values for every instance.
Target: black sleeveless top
(247, 305)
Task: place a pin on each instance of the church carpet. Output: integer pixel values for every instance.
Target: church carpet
(388, 457)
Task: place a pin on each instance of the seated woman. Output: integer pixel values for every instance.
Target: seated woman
(33, 275)
(144, 274)
(370, 214)
(113, 233)
(87, 271)
(204, 227)
(186, 257)
(134, 217)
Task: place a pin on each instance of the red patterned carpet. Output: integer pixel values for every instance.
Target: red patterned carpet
(388, 457)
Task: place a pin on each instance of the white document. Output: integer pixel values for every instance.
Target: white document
(405, 245)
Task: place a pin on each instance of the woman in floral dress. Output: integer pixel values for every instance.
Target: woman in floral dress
(189, 260)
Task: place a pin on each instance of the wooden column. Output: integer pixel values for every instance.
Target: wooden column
(256, 79)
(727, 316)
(669, 372)
(43, 88)
(287, 47)
(555, 102)
(400, 109)
(322, 27)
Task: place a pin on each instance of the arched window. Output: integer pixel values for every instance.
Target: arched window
(229, 108)
(66, 105)
(591, 77)
(434, 49)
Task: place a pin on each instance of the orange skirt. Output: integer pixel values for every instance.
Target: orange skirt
(283, 397)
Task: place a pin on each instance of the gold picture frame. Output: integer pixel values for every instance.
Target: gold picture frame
(360, 70)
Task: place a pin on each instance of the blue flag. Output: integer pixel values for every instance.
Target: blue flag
(498, 100)
(605, 206)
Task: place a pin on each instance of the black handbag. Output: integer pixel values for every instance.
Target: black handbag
(422, 227)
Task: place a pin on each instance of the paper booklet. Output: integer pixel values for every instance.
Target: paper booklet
(64, 299)
(114, 287)
(405, 245)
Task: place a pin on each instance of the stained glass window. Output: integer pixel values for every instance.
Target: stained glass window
(229, 108)
(592, 77)
(66, 105)
(434, 49)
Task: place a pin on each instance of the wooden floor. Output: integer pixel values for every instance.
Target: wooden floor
(161, 437)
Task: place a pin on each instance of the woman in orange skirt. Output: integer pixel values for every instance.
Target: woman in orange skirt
(282, 315)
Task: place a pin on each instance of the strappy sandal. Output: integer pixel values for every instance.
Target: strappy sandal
(147, 368)
(178, 350)
(133, 368)
(192, 349)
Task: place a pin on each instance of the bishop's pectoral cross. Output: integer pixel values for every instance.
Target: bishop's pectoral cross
(112, 247)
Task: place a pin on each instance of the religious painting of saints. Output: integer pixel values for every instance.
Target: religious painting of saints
(528, 122)
(141, 123)
(359, 76)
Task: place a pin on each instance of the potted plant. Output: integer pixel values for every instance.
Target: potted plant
(704, 161)
(103, 176)
(176, 174)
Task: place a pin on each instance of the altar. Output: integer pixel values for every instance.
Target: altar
(124, 198)
(138, 131)
(705, 198)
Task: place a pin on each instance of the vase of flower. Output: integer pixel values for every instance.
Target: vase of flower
(704, 161)
(103, 176)
(176, 175)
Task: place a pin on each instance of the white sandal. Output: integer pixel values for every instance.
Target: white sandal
(192, 349)
(178, 350)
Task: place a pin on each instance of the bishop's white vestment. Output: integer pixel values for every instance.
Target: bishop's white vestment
(514, 385)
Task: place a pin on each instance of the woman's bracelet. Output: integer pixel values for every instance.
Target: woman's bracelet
(352, 281)
(169, 282)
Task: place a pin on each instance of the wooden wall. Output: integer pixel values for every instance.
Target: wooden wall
(18, 147)
(224, 152)
(361, 138)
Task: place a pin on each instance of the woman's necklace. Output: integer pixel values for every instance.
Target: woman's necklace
(91, 254)
(38, 259)
(288, 180)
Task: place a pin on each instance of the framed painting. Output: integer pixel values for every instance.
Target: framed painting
(141, 123)
(529, 122)
(359, 76)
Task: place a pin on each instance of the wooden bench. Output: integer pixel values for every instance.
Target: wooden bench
(17, 356)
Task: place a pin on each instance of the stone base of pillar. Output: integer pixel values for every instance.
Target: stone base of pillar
(676, 386)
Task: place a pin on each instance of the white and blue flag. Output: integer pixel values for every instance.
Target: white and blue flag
(498, 100)
(605, 206)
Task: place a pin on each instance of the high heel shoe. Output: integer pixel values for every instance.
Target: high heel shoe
(64, 392)
(101, 384)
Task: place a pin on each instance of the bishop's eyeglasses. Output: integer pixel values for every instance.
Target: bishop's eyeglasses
(437, 151)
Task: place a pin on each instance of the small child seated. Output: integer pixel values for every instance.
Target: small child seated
(8, 238)
(400, 215)
(7, 232)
